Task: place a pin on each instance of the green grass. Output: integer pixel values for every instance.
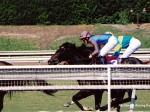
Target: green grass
(36, 101)
(13, 43)
(55, 45)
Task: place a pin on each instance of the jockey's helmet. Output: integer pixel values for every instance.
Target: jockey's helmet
(84, 35)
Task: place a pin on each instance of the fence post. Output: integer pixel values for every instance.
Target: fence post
(109, 89)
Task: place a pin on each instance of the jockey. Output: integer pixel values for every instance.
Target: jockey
(111, 42)
(108, 40)
(130, 43)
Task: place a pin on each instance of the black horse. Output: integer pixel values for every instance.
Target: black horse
(4, 83)
(70, 54)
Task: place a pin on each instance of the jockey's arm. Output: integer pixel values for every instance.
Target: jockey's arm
(96, 48)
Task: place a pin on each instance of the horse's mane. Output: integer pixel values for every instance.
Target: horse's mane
(82, 50)
(85, 50)
(74, 54)
(69, 45)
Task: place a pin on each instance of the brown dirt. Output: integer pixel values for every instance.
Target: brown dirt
(46, 34)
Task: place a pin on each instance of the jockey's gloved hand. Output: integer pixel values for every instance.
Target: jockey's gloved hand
(90, 56)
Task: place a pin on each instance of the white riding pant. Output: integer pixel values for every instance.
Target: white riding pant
(112, 41)
(133, 46)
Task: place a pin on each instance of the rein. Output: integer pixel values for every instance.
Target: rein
(83, 59)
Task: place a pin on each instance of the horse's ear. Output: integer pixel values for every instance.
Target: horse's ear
(66, 42)
(83, 46)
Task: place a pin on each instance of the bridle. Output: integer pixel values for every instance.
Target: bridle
(84, 59)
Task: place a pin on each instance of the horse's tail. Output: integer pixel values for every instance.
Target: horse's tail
(2, 63)
(140, 62)
(147, 62)
(48, 92)
(134, 60)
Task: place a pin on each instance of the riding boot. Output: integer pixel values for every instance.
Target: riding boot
(102, 60)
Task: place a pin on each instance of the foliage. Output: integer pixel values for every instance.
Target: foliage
(71, 12)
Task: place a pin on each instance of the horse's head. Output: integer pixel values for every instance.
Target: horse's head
(63, 54)
(70, 54)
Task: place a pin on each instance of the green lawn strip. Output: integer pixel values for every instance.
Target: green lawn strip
(18, 43)
(35, 101)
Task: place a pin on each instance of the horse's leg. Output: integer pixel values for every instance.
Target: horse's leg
(130, 94)
(2, 94)
(80, 95)
(129, 91)
(117, 97)
(118, 100)
(98, 98)
(43, 82)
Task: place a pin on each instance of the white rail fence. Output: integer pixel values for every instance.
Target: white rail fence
(45, 55)
(64, 77)
(51, 52)
(68, 74)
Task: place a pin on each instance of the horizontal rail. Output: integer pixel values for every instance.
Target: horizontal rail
(40, 59)
(51, 52)
(27, 53)
(45, 55)
(46, 58)
(75, 87)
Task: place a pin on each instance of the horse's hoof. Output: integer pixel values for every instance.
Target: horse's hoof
(117, 109)
(66, 105)
(87, 109)
(98, 110)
